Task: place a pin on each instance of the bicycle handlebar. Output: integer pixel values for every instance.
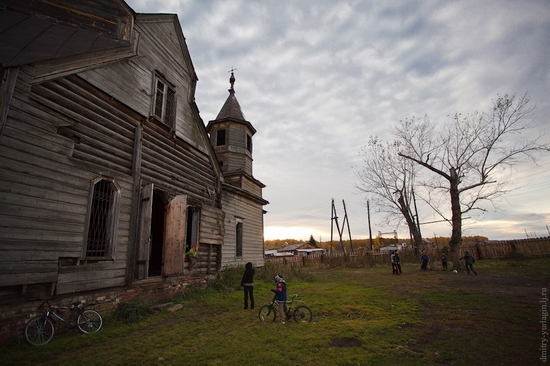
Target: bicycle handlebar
(72, 304)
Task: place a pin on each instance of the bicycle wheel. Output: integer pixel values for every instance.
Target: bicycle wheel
(90, 321)
(39, 331)
(266, 312)
(303, 314)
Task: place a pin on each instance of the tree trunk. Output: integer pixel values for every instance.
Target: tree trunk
(456, 234)
(413, 228)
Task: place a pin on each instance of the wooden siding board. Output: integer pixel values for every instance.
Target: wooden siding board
(27, 278)
(86, 113)
(28, 267)
(25, 109)
(252, 215)
(174, 236)
(38, 213)
(122, 118)
(163, 162)
(68, 283)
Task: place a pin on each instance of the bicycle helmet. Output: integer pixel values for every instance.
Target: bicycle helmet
(278, 278)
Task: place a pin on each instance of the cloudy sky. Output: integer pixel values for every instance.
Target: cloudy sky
(316, 78)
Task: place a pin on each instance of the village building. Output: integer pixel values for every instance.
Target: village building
(108, 174)
(300, 249)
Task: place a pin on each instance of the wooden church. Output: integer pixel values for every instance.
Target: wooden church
(108, 174)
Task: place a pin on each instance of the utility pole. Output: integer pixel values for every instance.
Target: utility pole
(331, 223)
(370, 231)
(349, 230)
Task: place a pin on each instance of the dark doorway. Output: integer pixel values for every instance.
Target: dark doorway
(157, 234)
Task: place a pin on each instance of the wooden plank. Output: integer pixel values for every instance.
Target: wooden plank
(174, 236)
(89, 285)
(27, 278)
(144, 239)
(27, 266)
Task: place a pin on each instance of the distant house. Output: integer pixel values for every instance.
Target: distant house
(308, 251)
(391, 247)
(300, 249)
(270, 253)
(108, 173)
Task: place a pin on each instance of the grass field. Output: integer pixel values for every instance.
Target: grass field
(362, 316)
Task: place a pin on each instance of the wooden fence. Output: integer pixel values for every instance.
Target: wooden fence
(528, 248)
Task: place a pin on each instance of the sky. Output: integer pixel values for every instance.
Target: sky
(316, 78)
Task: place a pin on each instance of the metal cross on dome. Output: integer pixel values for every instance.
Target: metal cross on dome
(232, 78)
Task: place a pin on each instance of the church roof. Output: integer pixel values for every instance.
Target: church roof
(25, 39)
(231, 111)
(231, 107)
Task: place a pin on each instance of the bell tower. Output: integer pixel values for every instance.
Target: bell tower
(231, 136)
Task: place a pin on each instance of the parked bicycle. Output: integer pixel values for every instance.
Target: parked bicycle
(40, 329)
(294, 309)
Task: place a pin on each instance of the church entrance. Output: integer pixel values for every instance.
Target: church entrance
(158, 216)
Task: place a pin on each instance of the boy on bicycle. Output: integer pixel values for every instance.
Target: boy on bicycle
(280, 292)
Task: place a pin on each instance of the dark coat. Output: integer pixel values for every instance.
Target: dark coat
(248, 276)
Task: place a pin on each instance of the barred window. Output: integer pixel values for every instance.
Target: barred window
(164, 103)
(102, 220)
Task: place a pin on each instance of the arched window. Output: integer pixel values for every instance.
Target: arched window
(102, 223)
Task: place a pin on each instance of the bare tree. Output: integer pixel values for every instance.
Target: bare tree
(389, 179)
(471, 156)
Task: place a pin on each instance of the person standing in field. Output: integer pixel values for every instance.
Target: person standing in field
(425, 259)
(444, 261)
(469, 260)
(247, 283)
(393, 265)
(280, 294)
(397, 263)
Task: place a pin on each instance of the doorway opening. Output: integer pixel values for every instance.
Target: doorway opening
(158, 215)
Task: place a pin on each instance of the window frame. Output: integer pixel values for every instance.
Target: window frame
(239, 238)
(249, 143)
(111, 217)
(164, 103)
(222, 132)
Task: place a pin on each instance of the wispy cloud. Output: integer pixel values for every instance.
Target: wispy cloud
(316, 78)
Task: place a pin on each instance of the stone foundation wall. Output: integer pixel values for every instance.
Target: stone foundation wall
(13, 316)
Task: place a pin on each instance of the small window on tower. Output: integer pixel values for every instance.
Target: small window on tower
(249, 143)
(220, 138)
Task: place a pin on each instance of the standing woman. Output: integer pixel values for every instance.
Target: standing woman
(248, 285)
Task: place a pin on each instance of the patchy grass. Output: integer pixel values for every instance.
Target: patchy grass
(362, 316)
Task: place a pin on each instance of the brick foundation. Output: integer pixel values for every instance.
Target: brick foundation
(13, 316)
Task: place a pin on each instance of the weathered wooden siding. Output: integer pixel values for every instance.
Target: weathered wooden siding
(251, 186)
(236, 206)
(158, 51)
(175, 166)
(212, 229)
(45, 182)
(236, 140)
